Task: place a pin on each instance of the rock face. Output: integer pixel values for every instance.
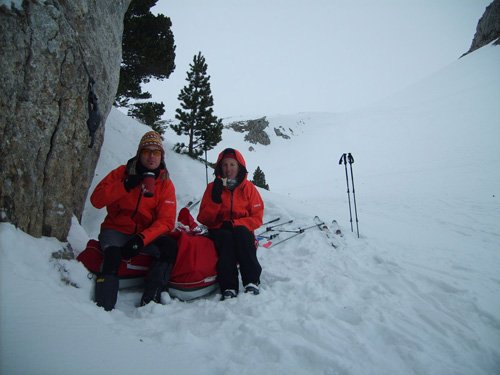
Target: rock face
(255, 130)
(488, 27)
(280, 132)
(49, 52)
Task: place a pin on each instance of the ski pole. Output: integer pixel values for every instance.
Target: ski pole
(270, 228)
(286, 239)
(298, 231)
(351, 161)
(270, 237)
(278, 225)
(192, 204)
(270, 221)
(206, 161)
(343, 159)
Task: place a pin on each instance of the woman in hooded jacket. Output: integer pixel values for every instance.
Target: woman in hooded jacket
(139, 214)
(232, 209)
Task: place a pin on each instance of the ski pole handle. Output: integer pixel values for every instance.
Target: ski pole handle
(342, 159)
(270, 237)
(351, 159)
(192, 204)
(278, 225)
(271, 221)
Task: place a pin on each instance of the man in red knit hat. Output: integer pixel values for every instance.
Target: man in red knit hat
(141, 208)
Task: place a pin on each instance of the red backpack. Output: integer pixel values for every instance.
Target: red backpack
(93, 256)
(194, 274)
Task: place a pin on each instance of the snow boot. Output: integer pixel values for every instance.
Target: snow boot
(106, 291)
(156, 281)
(252, 288)
(228, 294)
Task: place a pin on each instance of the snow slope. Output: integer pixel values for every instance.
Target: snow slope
(416, 294)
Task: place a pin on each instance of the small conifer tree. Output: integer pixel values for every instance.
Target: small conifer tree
(196, 118)
(259, 179)
(148, 51)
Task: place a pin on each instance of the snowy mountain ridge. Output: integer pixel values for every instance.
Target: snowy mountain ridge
(416, 294)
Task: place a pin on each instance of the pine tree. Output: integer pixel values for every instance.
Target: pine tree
(196, 118)
(148, 50)
(259, 179)
(150, 114)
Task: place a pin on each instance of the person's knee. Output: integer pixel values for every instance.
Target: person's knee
(111, 262)
(168, 249)
(243, 233)
(222, 238)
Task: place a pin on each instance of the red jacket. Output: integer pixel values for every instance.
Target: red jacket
(242, 206)
(132, 213)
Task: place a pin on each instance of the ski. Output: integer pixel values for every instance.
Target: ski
(330, 233)
(336, 228)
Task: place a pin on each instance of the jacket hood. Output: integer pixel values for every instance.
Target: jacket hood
(239, 158)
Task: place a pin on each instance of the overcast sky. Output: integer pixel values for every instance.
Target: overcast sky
(269, 57)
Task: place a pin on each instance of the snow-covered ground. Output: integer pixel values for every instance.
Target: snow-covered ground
(418, 293)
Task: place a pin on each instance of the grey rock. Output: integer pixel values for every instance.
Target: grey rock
(254, 129)
(280, 132)
(488, 27)
(48, 51)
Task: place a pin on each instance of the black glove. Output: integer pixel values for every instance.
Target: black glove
(132, 247)
(132, 181)
(227, 225)
(217, 191)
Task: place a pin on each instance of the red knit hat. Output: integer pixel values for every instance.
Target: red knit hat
(151, 138)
